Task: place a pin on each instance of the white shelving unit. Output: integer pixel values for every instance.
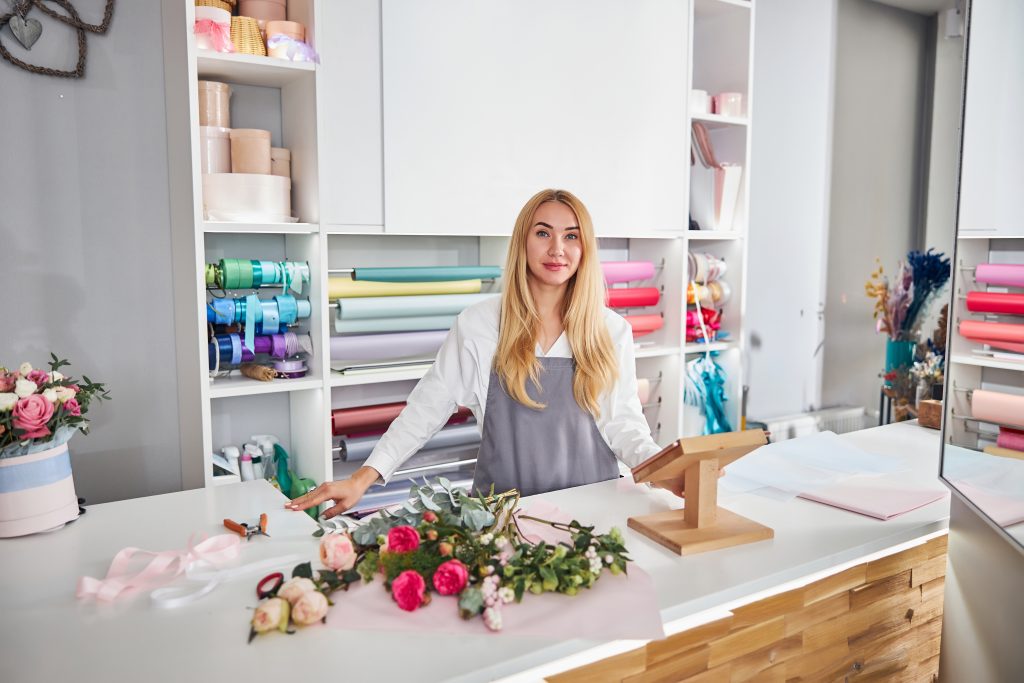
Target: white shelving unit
(329, 115)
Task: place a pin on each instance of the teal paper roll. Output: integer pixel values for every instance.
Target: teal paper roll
(426, 274)
(363, 308)
(408, 324)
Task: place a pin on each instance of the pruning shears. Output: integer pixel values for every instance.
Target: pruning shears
(247, 531)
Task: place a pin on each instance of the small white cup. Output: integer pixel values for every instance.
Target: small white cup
(699, 102)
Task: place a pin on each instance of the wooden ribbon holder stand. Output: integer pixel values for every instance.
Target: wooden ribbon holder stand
(701, 525)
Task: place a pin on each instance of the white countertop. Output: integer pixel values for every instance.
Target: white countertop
(47, 635)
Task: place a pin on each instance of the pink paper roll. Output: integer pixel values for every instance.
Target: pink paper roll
(627, 271)
(644, 324)
(997, 407)
(1000, 345)
(1005, 332)
(1010, 438)
(1002, 274)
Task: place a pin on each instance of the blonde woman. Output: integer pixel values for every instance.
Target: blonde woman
(547, 370)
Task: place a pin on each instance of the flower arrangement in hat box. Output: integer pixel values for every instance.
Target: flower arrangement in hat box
(40, 411)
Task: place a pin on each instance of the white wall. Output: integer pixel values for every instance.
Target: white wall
(876, 173)
(789, 202)
(85, 242)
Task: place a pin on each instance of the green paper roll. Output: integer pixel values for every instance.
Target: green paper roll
(346, 288)
(363, 308)
(426, 274)
(407, 324)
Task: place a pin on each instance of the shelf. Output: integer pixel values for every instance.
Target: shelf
(267, 228)
(655, 351)
(983, 362)
(695, 348)
(713, 235)
(244, 386)
(378, 376)
(713, 121)
(251, 70)
(989, 237)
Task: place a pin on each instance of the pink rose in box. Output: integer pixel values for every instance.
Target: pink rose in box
(409, 589)
(337, 552)
(403, 539)
(40, 377)
(451, 577)
(72, 408)
(31, 415)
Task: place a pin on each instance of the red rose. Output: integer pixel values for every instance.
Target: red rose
(40, 377)
(403, 539)
(429, 516)
(451, 577)
(31, 415)
(408, 589)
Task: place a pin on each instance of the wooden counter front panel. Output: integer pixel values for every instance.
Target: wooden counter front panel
(881, 620)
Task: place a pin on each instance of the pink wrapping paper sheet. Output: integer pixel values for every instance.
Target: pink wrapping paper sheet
(589, 614)
(873, 498)
(1004, 510)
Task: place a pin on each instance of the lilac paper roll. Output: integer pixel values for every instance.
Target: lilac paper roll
(1001, 274)
(627, 271)
(387, 346)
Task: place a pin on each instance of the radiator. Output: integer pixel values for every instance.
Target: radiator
(839, 420)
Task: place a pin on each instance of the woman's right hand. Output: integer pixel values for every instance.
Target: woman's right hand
(345, 493)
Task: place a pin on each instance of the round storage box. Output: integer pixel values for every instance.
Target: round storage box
(250, 150)
(280, 162)
(292, 29)
(264, 10)
(214, 149)
(247, 198)
(37, 492)
(217, 15)
(214, 104)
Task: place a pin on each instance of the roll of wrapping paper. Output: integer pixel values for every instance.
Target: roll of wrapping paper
(410, 324)
(998, 408)
(347, 288)
(643, 390)
(644, 324)
(1001, 274)
(408, 306)
(367, 418)
(627, 271)
(1010, 438)
(632, 297)
(449, 437)
(995, 302)
(418, 274)
(1006, 332)
(1001, 345)
(371, 347)
(1005, 452)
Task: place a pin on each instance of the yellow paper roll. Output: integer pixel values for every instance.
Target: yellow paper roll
(346, 288)
(1004, 452)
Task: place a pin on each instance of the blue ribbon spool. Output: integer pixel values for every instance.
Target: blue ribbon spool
(287, 308)
(236, 349)
(221, 311)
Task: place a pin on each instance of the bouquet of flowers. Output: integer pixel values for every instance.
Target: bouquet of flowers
(444, 542)
(42, 409)
(899, 302)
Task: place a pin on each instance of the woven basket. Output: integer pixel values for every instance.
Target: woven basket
(219, 4)
(245, 34)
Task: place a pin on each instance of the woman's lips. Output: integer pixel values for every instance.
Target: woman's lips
(555, 266)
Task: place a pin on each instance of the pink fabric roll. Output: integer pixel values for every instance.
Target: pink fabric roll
(1002, 274)
(1010, 438)
(998, 408)
(627, 271)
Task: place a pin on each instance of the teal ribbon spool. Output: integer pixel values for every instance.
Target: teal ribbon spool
(426, 274)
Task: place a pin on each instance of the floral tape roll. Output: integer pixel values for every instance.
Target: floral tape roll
(627, 271)
(426, 274)
(343, 288)
(632, 297)
(1006, 332)
(997, 407)
(644, 324)
(1010, 438)
(643, 390)
(408, 306)
(406, 324)
(371, 347)
(995, 302)
(1001, 274)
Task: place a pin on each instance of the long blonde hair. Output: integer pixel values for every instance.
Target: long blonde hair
(582, 314)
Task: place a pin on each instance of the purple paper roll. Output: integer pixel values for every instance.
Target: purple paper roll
(627, 271)
(1001, 274)
(387, 346)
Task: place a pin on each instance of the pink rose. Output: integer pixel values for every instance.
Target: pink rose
(31, 415)
(294, 588)
(429, 516)
(403, 539)
(7, 381)
(270, 615)
(451, 577)
(71, 407)
(337, 552)
(408, 589)
(40, 377)
(311, 608)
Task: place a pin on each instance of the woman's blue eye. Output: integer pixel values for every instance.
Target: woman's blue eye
(572, 236)
(542, 233)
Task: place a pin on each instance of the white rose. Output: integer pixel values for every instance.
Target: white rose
(56, 376)
(7, 402)
(64, 393)
(24, 369)
(23, 387)
(50, 395)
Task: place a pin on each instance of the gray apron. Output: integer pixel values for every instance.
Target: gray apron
(537, 451)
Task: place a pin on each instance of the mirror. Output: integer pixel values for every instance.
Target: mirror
(983, 429)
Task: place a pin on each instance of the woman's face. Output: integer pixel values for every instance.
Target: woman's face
(553, 244)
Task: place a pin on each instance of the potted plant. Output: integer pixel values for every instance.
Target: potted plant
(39, 412)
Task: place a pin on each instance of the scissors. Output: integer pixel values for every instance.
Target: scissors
(247, 531)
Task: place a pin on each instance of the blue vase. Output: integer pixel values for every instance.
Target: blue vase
(899, 355)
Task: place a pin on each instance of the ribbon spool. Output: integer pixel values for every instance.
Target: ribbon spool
(704, 267)
(221, 348)
(712, 294)
(284, 308)
(247, 273)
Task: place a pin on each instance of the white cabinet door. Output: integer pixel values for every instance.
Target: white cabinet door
(349, 121)
(485, 103)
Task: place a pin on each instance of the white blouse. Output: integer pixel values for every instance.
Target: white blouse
(460, 376)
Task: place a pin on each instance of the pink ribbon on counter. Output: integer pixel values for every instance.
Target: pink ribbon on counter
(121, 581)
(219, 35)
